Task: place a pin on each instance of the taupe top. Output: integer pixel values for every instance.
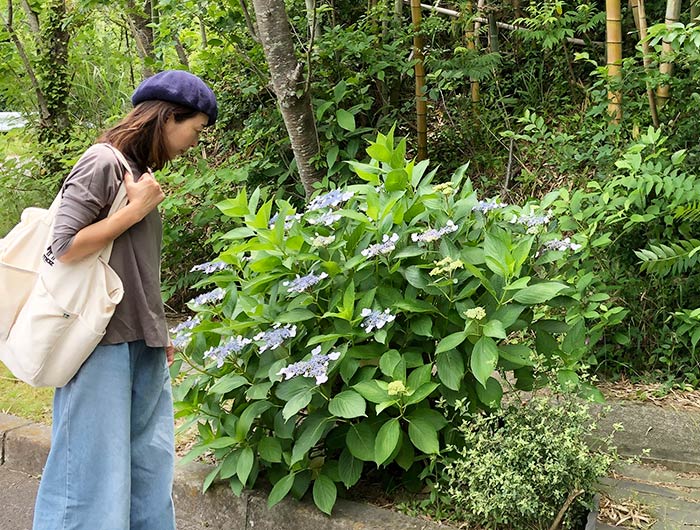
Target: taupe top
(87, 195)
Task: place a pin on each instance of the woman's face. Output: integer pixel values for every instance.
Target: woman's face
(180, 136)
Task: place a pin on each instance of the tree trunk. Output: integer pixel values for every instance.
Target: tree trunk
(673, 12)
(421, 104)
(54, 79)
(288, 83)
(614, 57)
(140, 20)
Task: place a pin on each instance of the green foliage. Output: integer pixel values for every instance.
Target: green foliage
(333, 331)
(516, 467)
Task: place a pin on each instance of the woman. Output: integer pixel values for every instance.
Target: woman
(112, 452)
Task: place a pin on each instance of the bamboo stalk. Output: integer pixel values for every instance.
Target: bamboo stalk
(470, 37)
(613, 31)
(673, 12)
(640, 18)
(421, 104)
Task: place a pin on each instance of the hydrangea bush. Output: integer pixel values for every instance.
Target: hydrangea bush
(328, 335)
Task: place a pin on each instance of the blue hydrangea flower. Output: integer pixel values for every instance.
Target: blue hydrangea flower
(302, 283)
(288, 221)
(275, 337)
(182, 332)
(531, 220)
(210, 267)
(433, 234)
(329, 200)
(207, 298)
(375, 319)
(325, 219)
(387, 245)
(316, 367)
(226, 348)
(486, 206)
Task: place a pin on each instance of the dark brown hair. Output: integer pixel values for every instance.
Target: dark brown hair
(140, 134)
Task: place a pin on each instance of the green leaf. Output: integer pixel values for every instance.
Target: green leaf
(247, 417)
(220, 443)
(495, 329)
(227, 383)
(421, 393)
(539, 293)
(423, 326)
(324, 493)
(245, 464)
(389, 361)
(568, 380)
(294, 405)
(280, 490)
(349, 468)
(451, 342)
(450, 367)
(348, 404)
(345, 119)
(270, 449)
(360, 441)
(387, 440)
(312, 430)
(295, 315)
(484, 359)
(372, 391)
(491, 394)
(423, 435)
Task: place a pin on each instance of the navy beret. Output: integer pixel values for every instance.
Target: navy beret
(178, 86)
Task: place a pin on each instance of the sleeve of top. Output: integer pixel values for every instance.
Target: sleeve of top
(90, 187)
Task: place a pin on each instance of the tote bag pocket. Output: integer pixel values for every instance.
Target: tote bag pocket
(41, 327)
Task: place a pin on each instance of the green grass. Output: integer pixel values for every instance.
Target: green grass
(19, 399)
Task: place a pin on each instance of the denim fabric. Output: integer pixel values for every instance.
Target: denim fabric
(111, 462)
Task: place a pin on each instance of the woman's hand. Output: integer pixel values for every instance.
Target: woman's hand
(145, 194)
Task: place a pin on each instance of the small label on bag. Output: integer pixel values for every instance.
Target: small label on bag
(48, 257)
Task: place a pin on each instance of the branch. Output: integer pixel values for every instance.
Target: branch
(249, 21)
(557, 521)
(503, 25)
(41, 101)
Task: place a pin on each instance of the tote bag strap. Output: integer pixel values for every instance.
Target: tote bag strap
(119, 201)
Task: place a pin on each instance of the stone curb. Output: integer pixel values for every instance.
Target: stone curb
(24, 446)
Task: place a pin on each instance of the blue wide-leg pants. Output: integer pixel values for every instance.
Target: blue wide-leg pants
(111, 462)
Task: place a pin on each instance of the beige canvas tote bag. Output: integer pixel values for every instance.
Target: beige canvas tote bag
(53, 314)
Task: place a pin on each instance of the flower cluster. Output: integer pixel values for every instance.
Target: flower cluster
(302, 283)
(183, 332)
(374, 319)
(207, 298)
(446, 266)
(325, 219)
(322, 241)
(316, 367)
(276, 336)
(288, 221)
(475, 313)
(223, 350)
(396, 388)
(210, 267)
(531, 221)
(329, 200)
(487, 206)
(387, 245)
(561, 245)
(433, 234)
(445, 188)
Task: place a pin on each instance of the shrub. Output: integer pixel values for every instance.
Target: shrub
(518, 466)
(332, 332)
